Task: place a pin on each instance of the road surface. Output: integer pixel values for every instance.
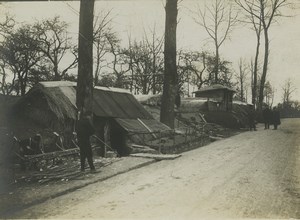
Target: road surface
(250, 175)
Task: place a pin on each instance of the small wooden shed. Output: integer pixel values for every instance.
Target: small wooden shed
(219, 97)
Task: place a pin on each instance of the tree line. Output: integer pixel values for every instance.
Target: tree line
(45, 50)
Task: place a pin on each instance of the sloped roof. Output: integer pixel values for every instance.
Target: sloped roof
(142, 125)
(107, 102)
(117, 105)
(214, 88)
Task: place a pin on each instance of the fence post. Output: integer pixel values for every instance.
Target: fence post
(105, 150)
(144, 138)
(173, 137)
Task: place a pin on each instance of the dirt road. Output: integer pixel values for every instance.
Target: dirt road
(250, 175)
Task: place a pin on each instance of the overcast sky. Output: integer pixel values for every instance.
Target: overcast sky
(135, 16)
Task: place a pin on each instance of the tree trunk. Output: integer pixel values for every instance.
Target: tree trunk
(217, 64)
(56, 74)
(84, 95)
(170, 73)
(144, 85)
(254, 89)
(154, 85)
(242, 91)
(265, 69)
(23, 87)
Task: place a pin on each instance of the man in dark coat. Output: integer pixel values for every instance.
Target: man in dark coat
(267, 115)
(275, 118)
(84, 130)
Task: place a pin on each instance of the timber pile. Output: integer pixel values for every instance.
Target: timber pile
(51, 155)
(68, 169)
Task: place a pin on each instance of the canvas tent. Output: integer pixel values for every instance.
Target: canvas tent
(116, 112)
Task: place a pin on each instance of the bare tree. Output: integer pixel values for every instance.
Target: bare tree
(119, 65)
(269, 92)
(266, 12)
(288, 89)
(218, 21)
(256, 25)
(146, 63)
(242, 78)
(155, 45)
(102, 30)
(55, 44)
(6, 28)
(258, 29)
(20, 52)
(195, 66)
(7, 25)
(141, 66)
(170, 89)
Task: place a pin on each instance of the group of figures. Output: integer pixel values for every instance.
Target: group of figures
(270, 117)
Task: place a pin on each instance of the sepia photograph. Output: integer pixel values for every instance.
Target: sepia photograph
(150, 109)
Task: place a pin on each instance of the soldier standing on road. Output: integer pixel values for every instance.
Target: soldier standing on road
(84, 130)
(267, 115)
(276, 118)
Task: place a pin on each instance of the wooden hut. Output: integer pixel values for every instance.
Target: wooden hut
(219, 97)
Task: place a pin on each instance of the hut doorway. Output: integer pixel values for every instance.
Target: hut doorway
(118, 139)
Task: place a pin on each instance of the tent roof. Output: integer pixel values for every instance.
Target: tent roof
(118, 105)
(107, 102)
(50, 84)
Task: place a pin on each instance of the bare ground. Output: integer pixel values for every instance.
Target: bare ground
(250, 175)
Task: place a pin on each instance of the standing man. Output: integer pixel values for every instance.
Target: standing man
(276, 118)
(84, 130)
(267, 115)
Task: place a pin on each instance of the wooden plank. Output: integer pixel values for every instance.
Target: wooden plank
(150, 131)
(51, 155)
(157, 156)
(142, 149)
(141, 146)
(214, 138)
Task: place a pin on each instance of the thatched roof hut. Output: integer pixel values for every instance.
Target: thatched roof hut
(49, 104)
